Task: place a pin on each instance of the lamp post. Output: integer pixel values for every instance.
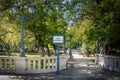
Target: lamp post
(65, 40)
(15, 9)
(70, 51)
(64, 46)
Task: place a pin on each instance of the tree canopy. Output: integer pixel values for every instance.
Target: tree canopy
(84, 21)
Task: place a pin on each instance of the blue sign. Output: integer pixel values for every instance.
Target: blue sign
(58, 39)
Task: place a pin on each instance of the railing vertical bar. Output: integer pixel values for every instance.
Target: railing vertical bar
(48, 63)
(53, 63)
(39, 64)
(44, 64)
(5, 64)
(29, 64)
(33, 64)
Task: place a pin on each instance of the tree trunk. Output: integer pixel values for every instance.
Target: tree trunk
(48, 50)
(54, 46)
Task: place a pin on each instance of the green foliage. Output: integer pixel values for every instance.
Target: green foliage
(82, 21)
(9, 36)
(47, 20)
(99, 20)
(5, 4)
(103, 14)
(105, 19)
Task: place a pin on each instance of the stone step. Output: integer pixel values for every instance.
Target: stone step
(30, 78)
(54, 78)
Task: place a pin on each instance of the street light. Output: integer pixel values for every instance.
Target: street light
(70, 51)
(15, 9)
(65, 40)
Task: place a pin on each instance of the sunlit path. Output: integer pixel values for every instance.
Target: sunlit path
(84, 69)
(77, 56)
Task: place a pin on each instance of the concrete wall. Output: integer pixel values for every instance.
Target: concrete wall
(109, 62)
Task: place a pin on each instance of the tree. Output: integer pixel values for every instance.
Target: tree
(103, 15)
(9, 36)
(47, 20)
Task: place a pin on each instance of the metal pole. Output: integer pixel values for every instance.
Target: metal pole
(64, 45)
(70, 53)
(22, 37)
(64, 48)
(64, 40)
(58, 60)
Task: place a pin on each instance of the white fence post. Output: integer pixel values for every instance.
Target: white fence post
(20, 65)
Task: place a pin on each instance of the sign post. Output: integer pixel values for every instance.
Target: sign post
(57, 40)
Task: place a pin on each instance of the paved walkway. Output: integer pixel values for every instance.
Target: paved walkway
(79, 69)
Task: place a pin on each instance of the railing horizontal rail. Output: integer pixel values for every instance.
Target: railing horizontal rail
(31, 64)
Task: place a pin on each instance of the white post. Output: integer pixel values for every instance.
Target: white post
(44, 63)
(48, 63)
(39, 64)
(20, 65)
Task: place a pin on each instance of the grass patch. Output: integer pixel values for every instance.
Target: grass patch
(32, 55)
(26, 54)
